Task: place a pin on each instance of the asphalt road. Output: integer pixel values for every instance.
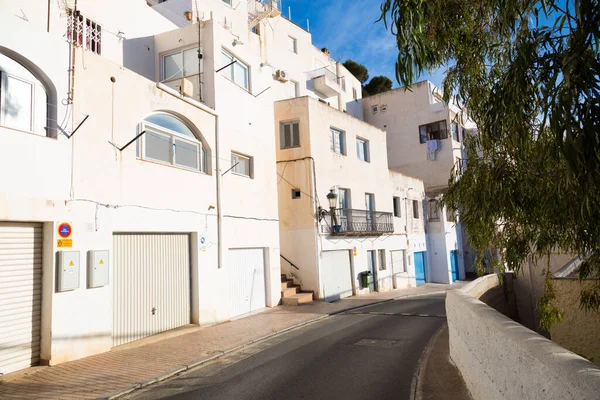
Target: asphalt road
(371, 353)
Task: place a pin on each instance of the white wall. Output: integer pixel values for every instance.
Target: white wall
(301, 242)
(501, 359)
(406, 111)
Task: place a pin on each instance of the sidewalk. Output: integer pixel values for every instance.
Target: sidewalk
(128, 368)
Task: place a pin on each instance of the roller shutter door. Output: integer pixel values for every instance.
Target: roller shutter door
(247, 281)
(151, 284)
(20, 295)
(336, 275)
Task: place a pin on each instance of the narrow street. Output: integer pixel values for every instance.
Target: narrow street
(371, 352)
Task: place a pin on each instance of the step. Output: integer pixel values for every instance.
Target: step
(287, 284)
(290, 291)
(284, 278)
(300, 298)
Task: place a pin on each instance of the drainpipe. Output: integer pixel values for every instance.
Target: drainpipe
(338, 72)
(217, 166)
(48, 25)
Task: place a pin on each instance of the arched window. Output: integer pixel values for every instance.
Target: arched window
(171, 141)
(23, 98)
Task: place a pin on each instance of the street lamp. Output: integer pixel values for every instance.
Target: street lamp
(332, 198)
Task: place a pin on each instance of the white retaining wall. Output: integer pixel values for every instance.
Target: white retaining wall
(501, 359)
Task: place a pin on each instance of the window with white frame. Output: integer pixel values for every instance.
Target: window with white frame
(397, 208)
(293, 89)
(415, 204)
(362, 149)
(343, 79)
(375, 109)
(23, 99)
(169, 140)
(450, 215)
(382, 261)
(84, 32)
(433, 210)
(237, 71)
(354, 93)
(180, 64)
(292, 44)
(337, 140)
(242, 164)
(454, 128)
(289, 134)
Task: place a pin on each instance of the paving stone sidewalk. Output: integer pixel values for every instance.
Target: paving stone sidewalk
(112, 373)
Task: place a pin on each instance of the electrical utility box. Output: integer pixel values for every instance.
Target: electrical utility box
(97, 272)
(68, 271)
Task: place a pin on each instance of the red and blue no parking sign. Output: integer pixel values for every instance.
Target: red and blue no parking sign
(65, 230)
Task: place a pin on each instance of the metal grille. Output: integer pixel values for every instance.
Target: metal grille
(376, 343)
(83, 32)
(346, 221)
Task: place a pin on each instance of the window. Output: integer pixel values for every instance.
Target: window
(397, 208)
(292, 89)
(383, 108)
(227, 2)
(236, 72)
(382, 263)
(242, 165)
(290, 135)
(343, 79)
(338, 141)
(415, 204)
(433, 131)
(433, 210)
(181, 64)
(344, 198)
(362, 149)
(23, 99)
(170, 141)
(296, 194)
(84, 32)
(375, 109)
(354, 93)
(292, 45)
(454, 128)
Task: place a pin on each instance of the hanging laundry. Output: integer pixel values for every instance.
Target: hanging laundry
(432, 146)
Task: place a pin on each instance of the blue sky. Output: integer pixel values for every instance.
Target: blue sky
(348, 29)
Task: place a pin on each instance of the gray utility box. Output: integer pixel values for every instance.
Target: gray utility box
(97, 272)
(68, 271)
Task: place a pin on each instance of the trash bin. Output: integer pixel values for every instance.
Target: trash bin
(366, 279)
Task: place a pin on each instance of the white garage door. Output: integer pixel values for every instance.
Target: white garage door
(20, 295)
(336, 275)
(151, 284)
(247, 280)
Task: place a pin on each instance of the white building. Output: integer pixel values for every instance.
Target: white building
(163, 194)
(376, 223)
(424, 140)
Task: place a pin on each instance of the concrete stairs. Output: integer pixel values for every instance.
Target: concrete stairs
(292, 295)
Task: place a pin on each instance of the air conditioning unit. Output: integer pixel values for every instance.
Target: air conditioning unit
(281, 75)
(187, 87)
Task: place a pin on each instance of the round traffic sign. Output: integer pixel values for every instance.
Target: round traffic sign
(65, 230)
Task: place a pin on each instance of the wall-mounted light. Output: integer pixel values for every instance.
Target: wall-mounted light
(332, 198)
(236, 42)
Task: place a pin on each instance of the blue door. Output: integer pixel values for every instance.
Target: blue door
(420, 267)
(453, 264)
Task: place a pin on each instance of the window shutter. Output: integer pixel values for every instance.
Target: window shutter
(287, 140)
(331, 140)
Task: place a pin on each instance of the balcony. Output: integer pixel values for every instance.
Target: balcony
(326, 82)
(348, 222)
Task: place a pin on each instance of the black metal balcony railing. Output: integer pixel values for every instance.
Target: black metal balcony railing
(345, 221)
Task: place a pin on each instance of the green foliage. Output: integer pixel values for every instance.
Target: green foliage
(378, 84)
(528, 73)
(359, 71)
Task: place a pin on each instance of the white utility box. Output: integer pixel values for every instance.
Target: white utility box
(68, 271)
(97, 272)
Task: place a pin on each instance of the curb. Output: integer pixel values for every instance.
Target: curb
(416, 385)
(221, 353)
